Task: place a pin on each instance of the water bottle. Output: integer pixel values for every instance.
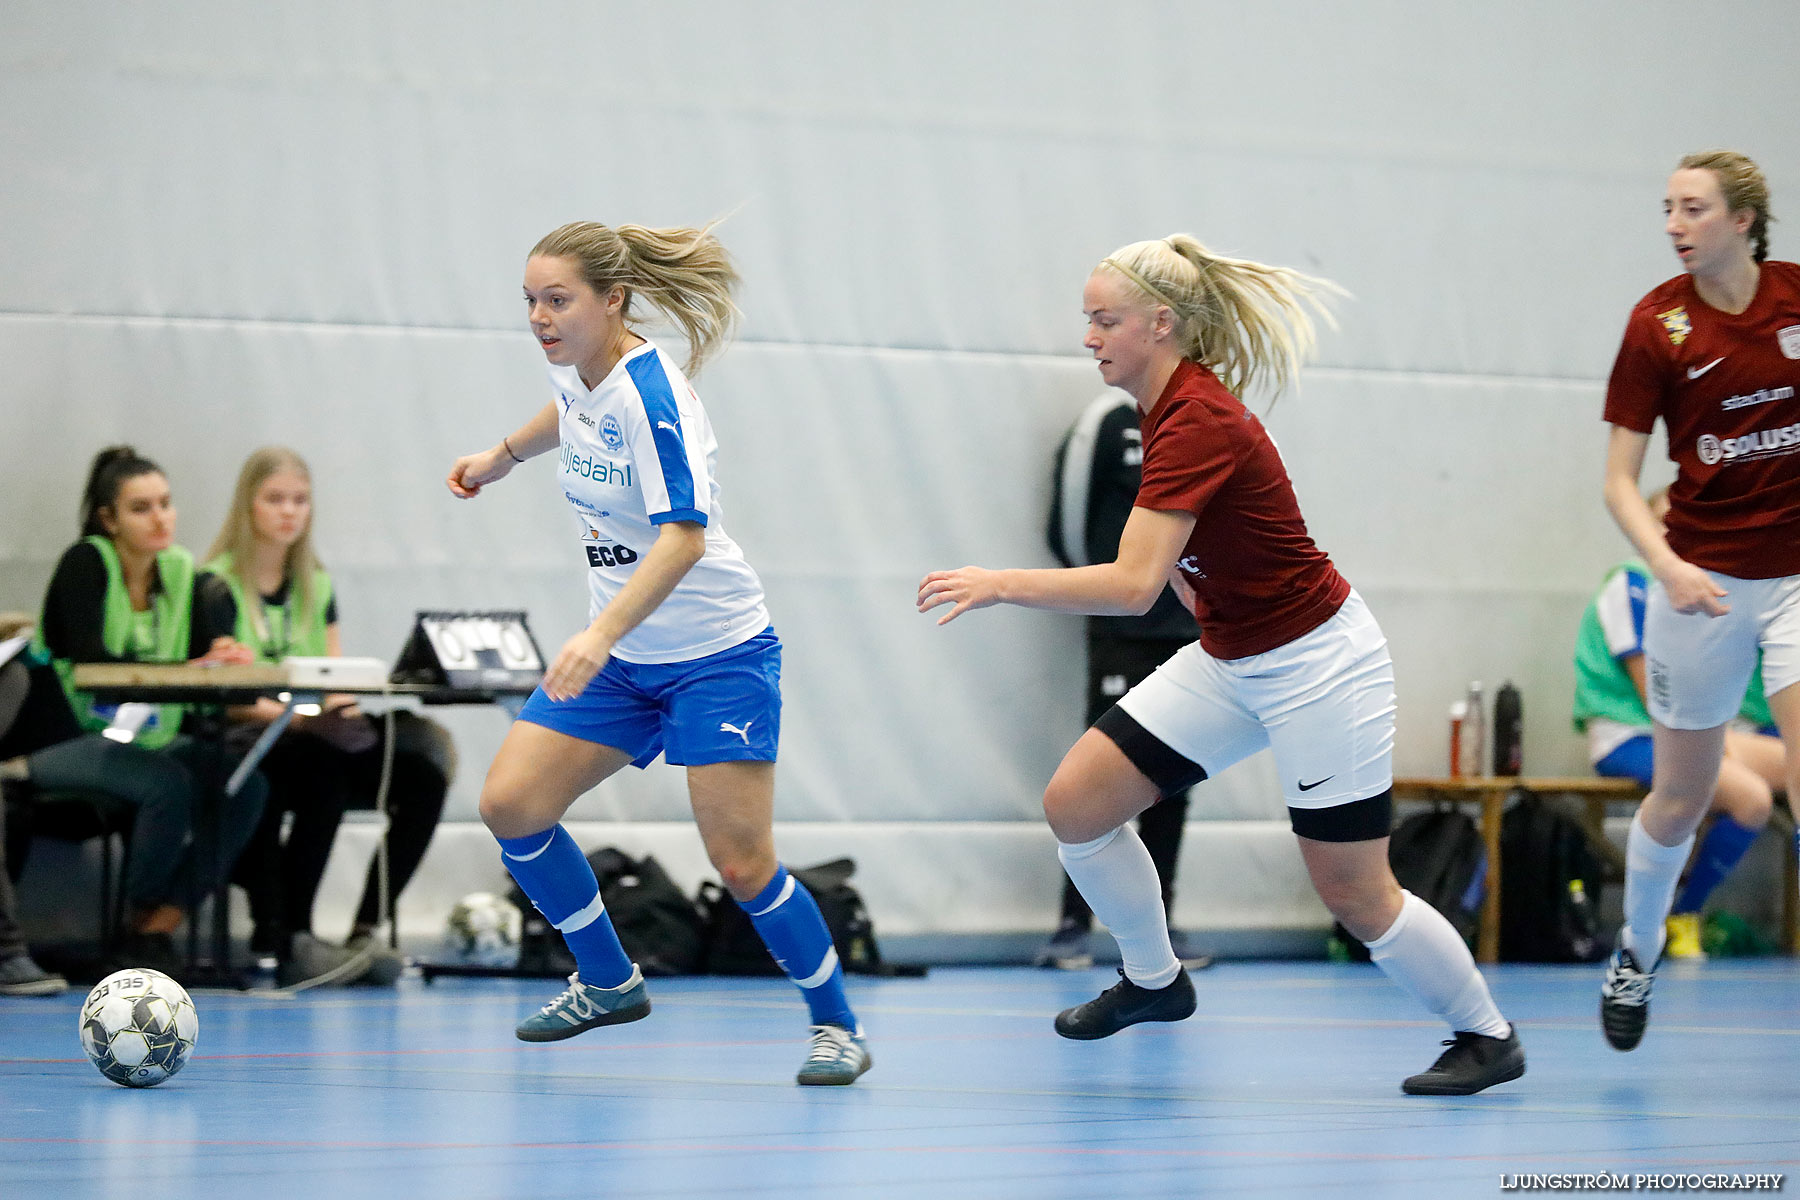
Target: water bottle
(1459, 714)
(1475, 733)
(1509, 731)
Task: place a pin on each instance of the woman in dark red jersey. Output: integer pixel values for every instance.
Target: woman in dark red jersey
(1715, 353)
(1288, 657)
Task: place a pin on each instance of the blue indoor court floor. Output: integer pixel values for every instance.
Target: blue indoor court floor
(1285, 1083)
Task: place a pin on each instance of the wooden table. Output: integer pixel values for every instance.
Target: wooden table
(213, 688)
(1490, 792)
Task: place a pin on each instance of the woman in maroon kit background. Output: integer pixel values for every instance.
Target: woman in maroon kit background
(1715, 354)
(1289, 657)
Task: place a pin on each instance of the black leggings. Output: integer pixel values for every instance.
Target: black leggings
(316, 782)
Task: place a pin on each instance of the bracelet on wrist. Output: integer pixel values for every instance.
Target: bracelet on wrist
(509, 450)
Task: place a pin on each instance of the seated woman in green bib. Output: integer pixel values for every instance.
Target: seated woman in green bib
(127, 593)
(285, 605)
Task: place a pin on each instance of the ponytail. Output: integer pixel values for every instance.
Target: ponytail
(112, 467)
(684, 273)
(1246, 321)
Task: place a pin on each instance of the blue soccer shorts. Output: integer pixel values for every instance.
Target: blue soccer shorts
(725, 707)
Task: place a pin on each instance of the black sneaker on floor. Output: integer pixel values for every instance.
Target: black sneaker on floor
(1473, 1062)
(1625, 1000)
(1125, 1003)
(1067, 949)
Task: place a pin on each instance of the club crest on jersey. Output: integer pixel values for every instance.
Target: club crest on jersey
(611, 436)
(1677, 323)
(1790, 341)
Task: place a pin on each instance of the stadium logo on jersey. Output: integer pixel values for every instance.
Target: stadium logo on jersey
(1790, 341)
(1677, 323)
(1764, 443)
(611, 436)
(1759, 396)
(610, 556)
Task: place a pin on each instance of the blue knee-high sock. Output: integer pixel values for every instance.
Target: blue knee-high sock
(552, 871)
(1724, 845)
(788, 920)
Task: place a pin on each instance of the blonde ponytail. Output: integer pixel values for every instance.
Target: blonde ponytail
(1246, 321)
(685, 273)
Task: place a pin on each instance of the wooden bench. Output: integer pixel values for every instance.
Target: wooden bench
(1490, 792)
(1595, 793)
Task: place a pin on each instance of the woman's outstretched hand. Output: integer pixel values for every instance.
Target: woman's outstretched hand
(964, 589)
(472, 472)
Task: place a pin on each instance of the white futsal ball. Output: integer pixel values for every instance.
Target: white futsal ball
(139, 1026)
(483, 931)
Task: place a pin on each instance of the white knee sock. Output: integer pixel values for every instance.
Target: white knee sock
(1651, 872)
(1118, 880)
(1423, 953)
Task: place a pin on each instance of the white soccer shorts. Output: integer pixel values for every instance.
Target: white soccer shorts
(1699, 666)
(1324, 702)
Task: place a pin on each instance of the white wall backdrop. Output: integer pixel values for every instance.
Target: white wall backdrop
(304, 222)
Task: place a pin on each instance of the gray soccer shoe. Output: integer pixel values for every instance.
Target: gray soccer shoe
(581, 1008)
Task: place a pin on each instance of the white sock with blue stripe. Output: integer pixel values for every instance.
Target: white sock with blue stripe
(788, 920)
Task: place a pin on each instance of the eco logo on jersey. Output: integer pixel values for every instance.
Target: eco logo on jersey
(1677, 323)
(610, 556)
(611, 436)
(1790, 341)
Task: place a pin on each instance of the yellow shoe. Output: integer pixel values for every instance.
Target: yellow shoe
(1684, 937)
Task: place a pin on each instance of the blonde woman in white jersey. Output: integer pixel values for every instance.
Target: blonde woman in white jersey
(679, 658)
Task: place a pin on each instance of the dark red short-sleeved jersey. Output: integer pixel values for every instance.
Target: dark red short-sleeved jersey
(1259, 581)
(1727, 388)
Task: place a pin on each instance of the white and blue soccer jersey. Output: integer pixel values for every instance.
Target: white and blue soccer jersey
(1607, 705)
(638, 452)
(1620, 608)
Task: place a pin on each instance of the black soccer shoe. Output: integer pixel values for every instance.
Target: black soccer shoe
(1472, 1063)
(1625, 1000)
(1125, 1003)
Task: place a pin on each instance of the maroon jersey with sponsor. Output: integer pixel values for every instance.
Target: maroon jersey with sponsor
(1259, 581)
(1728, 390)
